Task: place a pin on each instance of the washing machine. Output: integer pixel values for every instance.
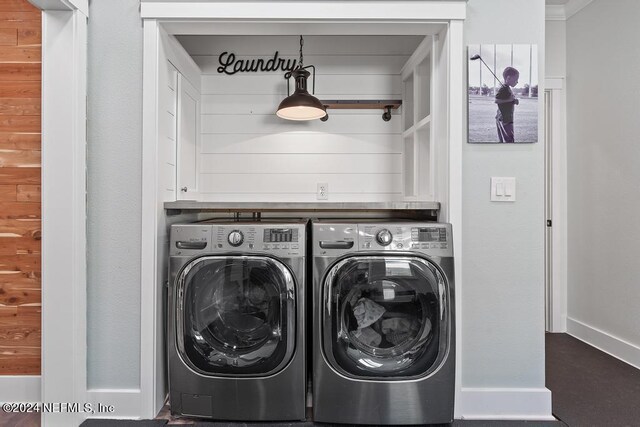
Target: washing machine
(383, 322)
(236, 320)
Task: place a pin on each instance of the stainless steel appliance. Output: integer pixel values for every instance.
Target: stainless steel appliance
(383, 322)
(236, 323)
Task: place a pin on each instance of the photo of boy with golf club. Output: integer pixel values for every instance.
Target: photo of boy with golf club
(494, 100)
(506, 101)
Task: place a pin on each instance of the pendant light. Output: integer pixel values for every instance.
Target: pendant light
(301, 105)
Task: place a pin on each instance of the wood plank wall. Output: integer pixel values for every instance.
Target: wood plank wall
(20, 144)
(248, 154)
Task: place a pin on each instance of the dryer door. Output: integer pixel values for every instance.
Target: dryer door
(385, 317)
(235, 315)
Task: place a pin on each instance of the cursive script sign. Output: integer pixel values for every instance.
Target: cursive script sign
(229, 64)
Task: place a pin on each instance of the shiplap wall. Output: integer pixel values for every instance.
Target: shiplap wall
(167, 130)
(249, 154)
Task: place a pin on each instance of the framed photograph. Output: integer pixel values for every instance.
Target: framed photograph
(503, 93)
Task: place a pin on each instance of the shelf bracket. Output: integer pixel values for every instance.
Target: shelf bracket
(386, 116)
(362, 104)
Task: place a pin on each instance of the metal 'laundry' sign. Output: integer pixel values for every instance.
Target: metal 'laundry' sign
(230, 65)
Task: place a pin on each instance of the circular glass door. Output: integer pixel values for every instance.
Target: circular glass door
(235, 315)
(385, 316)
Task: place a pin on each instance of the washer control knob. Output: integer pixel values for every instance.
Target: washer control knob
(384, 237)
(235, 238)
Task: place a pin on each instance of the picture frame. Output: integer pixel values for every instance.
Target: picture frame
(502, 92)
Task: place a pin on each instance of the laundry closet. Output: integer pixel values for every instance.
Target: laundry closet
(213, 145)
(230, 146)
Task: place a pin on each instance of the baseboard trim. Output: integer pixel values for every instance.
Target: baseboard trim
(127, 403)
(20, 388)
(610, 344)
(505, 404)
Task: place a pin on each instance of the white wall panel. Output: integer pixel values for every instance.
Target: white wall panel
(272, 124)
(344, 183)
(293, 142)
(169, 99)
(300, 163)
(274, 83)
(268, 104)
(299, 197)
(168, 129)
(249, 154)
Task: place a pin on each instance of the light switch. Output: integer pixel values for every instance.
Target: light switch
(508, 189)
(503, 189)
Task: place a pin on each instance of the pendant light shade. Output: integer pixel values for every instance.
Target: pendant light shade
(301, 105)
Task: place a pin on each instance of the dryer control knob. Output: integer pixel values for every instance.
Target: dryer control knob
(384, 237)
(235, 238)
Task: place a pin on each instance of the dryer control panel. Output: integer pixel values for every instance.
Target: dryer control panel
(338, 238)
(430, 238)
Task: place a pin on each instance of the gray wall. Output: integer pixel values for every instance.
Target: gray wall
(603, 59)
(556, 49)
(114, 192)
(503, 270)
(503, 326)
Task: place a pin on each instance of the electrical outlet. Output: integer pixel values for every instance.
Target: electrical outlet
(322, 192)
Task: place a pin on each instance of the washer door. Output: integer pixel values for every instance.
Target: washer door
(385, 317)
(235, 315)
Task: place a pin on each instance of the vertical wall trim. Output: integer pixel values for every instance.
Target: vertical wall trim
(64, 93)
(558, 132)
(149, 294)
(456, 140)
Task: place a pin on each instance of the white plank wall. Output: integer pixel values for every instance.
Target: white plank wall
(167, 127)
(249, 154)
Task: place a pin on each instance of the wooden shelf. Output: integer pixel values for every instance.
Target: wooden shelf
(183, 206)
(361, 104)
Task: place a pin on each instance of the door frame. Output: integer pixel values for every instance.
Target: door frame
(556, 292)
(64, 114)
(228, 17)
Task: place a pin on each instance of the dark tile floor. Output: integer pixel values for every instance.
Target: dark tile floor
(589, 387)
(19, 420)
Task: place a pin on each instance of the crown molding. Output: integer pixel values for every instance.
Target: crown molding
(555, 12)
(562, 12)
(574, 6)
(81, 5)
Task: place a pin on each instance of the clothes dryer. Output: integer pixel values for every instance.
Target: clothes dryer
(384, 341)
(236, 320)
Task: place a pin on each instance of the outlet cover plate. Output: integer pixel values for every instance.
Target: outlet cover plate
(322, 192)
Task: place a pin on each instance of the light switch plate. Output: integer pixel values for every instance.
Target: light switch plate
(503, 189)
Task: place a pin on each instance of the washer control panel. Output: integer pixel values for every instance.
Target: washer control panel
(281, 240)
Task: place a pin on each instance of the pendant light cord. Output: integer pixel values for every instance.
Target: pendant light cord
(301, 44)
